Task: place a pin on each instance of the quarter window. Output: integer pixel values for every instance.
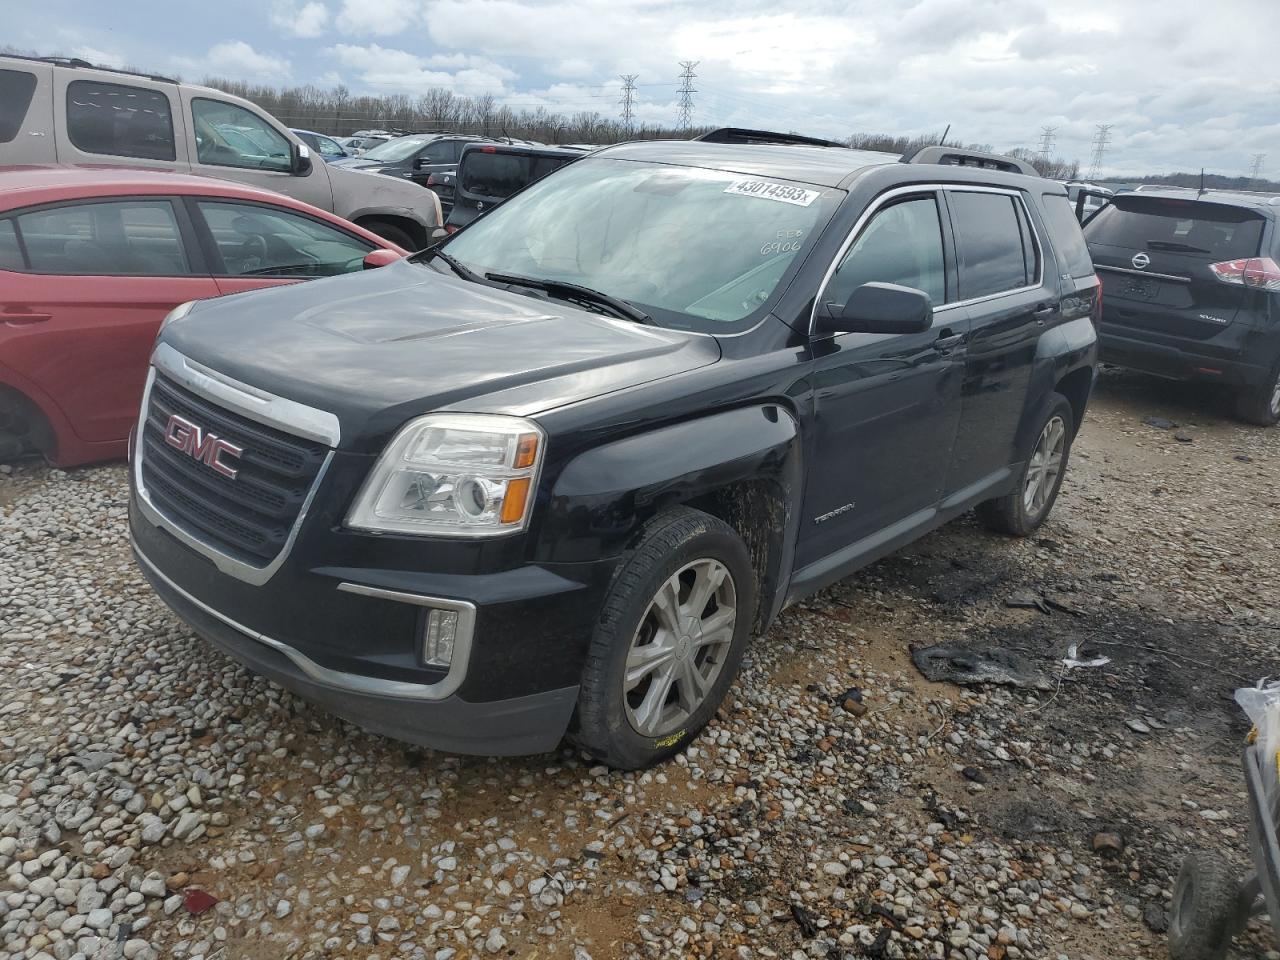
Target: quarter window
(989, 241)
(10, 252)
(1068, 239)
(902, 244)
(119, 120)
(117, 238)
(16, 89)
(231, 136)
(258, 241)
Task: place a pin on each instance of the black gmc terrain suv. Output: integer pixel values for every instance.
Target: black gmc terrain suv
(548, 477)
(1193, 289)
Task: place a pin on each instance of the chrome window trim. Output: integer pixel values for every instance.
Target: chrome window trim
(340, 680)
(932, 189)
(1143, 273)
(253, 404)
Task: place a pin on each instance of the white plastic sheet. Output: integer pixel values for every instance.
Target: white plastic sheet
(1262, 704)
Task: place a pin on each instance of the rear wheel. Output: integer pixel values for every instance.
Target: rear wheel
(668, 643)
(1027, 505)
(1261, 405)
(23, 429)
(1203, 910)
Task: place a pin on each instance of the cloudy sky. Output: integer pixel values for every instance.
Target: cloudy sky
(1184, 83)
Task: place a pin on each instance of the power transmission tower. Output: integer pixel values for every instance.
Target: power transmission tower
(1258, 160)
(628, 99)
(1048, 135)
(686, 91)
(1100, 141)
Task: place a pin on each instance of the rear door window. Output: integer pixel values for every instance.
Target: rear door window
(109, 238)
(494, 175)
(1172, 225)
(1068, 240)
(260, 241)
(119, 120)
(16, 90)
(989, 241)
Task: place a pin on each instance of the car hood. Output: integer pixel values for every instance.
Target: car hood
(358, 163)
(379, 347)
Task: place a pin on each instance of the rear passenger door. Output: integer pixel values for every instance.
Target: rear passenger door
(94, 281)
(121, 122)
(1009, 300)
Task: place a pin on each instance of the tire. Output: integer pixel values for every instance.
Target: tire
(1202, 916)
(637, 726)
(1018, 513)
(1261, 405)
(389, 231)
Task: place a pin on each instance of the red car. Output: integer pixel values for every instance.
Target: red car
(91, 260)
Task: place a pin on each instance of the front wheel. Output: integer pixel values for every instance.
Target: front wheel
(389, 231)
(668, 643)
(1261, 405)
(1027, 505)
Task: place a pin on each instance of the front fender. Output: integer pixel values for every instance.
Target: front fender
(745, 462)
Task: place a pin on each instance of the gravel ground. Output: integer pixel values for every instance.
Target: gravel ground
(158, 801)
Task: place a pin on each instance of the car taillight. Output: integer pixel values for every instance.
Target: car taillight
(450, 228)
(1096, 315)
(1261, 273)
(431, 180)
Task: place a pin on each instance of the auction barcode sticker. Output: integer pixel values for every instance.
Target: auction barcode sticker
(773, 191)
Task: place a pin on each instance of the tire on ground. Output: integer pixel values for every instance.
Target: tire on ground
(390, 231)
(1261, 405)
(1009, 514)
(1202, 916)
(668, 543)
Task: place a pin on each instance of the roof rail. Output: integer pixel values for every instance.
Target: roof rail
(743, 135)
(79, 64)
(956, 156)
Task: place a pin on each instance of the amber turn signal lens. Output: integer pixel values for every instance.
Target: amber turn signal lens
(526, 450)
(513, 503)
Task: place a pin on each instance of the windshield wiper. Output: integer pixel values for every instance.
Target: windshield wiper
(572, 291)
(465, 272)
(1174, 245)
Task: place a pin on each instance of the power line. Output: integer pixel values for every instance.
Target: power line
(628, 99)
(1100, 141)
(686, 91)
(1048, 136)
(1258, 160)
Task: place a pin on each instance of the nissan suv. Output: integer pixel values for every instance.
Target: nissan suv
(1193, 289)
(549, 476)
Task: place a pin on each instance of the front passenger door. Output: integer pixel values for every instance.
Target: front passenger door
(887, 406)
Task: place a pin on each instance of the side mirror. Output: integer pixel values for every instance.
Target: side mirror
(877, 308)
(380, 258)
(419, 162)
(301, 165)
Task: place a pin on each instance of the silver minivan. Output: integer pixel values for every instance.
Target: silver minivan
(55, 110)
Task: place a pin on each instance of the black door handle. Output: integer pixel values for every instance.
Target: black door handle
(1044, 310)
(947, 340)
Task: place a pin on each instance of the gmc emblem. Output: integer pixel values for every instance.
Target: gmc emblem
(191, 439)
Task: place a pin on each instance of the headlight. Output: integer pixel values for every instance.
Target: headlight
(453, 475)
(177, 313)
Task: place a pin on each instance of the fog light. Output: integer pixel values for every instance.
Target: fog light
(438, 637)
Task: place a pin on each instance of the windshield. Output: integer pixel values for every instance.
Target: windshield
(694, 248)
(395, 150)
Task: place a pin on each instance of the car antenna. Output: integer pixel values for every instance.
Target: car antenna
(1201, 191)
(943, 141)
(506, 136)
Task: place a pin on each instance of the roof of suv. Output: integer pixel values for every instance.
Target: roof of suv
(49, 182)
(824, 166)
(1265, 203)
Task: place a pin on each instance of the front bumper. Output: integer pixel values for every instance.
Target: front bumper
(346, 636)
(515, 726)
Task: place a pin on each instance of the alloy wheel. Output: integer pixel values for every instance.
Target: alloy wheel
(1045, 466)
(680, 647)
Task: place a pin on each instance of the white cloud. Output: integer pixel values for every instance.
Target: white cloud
(306, 20)
(387, 70)
(378, 18)
(238, 60)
